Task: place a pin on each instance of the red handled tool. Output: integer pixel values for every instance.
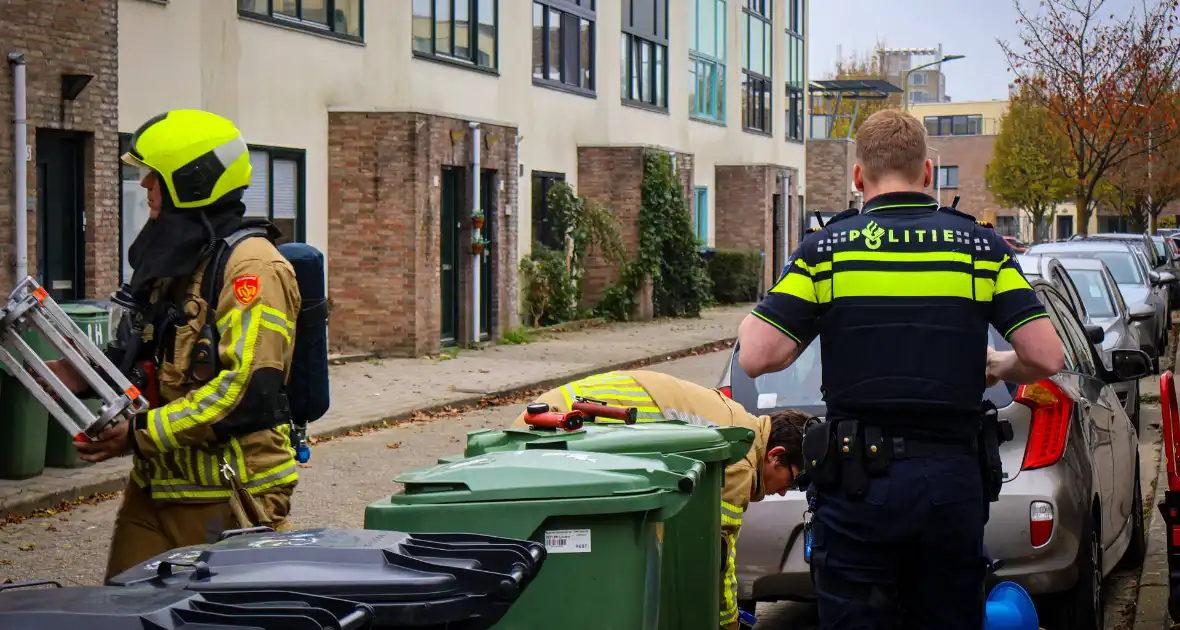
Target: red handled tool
(599, 409)
(538, 416)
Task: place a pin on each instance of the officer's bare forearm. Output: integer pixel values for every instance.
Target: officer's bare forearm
(1007, 367)
(764, 348)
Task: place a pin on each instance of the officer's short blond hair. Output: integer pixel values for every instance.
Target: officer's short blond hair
(891, 142)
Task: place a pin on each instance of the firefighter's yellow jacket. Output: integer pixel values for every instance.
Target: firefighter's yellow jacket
(181, 446)
(658, 396)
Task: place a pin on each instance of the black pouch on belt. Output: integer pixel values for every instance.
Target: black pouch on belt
(818, 463)
(877, 459)
(992, 433)
(853, 475)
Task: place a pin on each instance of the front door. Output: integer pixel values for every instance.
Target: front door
(1064, 227)
(452, 181)
(487, 201)
(61, 216)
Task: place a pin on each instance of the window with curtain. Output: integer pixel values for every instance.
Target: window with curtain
(701, 220)
(706, 59)
(276, 190)
(757, 67)
(461, 31)
(344, 18)
(563, 44)
(644, 53)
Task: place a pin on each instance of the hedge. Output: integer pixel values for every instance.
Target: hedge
(735, 274)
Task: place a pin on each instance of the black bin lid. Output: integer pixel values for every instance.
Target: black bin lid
(113, 608)
(426, 578)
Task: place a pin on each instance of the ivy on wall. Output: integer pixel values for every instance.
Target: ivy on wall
(668, 251)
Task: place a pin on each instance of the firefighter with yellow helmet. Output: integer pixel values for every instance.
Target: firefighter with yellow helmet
(214, 451)
(771, 466)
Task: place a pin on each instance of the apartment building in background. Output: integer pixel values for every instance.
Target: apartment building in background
(364, 119)
(925, 86)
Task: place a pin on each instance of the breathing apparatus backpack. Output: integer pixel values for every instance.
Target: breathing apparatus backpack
(307, 388)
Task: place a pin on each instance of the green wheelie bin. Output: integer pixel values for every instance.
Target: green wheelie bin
(24, 422)
(691, 587)
(59, 445)
(599, 516)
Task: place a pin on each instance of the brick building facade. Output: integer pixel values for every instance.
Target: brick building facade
(388, 175)
(752, 201)
(969, 156)
(829, 173)
(73, 164)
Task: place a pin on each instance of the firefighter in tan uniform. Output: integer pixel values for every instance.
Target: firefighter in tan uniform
(215, 453)
(770, 467)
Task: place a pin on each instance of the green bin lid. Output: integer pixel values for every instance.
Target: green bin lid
(544, 475)
(74, 310)
(708, 444)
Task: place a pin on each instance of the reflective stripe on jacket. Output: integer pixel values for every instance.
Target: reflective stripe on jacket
(178, 455)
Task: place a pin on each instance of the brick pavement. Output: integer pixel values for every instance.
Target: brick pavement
(371, 392)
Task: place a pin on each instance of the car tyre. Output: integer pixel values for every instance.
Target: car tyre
(1137, 549)
(1082, 606)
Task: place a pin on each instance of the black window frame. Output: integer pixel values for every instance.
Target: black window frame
(757, 87)
(540, 207)
(299, 156)
(656, 38)
(795, 17)
(473, 19)
(945, 125)
(938, 172)
(572, 12)
(308, 26)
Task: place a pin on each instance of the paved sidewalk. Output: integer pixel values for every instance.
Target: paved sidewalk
(372, 392)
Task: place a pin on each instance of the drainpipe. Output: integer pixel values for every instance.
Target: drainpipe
(20, 149)
(476, 175)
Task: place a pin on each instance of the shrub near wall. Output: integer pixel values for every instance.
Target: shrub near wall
(735, 274)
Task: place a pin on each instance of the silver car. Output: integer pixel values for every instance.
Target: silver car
(1071, 508)
(1105, 308)
(1155, 258)
(1136, 283)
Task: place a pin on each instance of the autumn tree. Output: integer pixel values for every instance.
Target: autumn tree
(1103, 78)
(1142, 186)
(1029, 169)
(856, 66)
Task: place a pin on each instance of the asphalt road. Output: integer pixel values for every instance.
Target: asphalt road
(346, 474)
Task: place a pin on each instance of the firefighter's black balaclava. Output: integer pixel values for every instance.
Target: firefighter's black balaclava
(174, 243)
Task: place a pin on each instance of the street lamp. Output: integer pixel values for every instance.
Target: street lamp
(906, 96)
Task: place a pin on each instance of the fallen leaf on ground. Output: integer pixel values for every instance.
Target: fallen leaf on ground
(4, 562)
(393, 445)
(304, 465)
(28, 547)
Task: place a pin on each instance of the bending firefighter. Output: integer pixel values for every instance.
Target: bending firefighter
(771, 466)
(207, 325)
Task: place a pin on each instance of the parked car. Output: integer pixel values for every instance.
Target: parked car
(1017, 245)
(1142, 241)
(1136, 282)
(1071, 508)
(1101, 305)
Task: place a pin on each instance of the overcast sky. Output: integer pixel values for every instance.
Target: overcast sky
(963, 27)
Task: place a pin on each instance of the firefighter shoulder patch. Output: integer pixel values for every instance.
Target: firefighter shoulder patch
(246, 288)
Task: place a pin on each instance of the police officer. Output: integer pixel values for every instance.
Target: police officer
(215, 454)
(770, 466)
(901, 294)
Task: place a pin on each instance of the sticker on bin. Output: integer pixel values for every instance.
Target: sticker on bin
(567, 541)
(768, 400)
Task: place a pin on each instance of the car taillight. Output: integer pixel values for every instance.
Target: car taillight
(1040, 523)
(1051, 412)
(727, 391)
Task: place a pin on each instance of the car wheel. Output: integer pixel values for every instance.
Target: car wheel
(1081, 607)
(1137, 549)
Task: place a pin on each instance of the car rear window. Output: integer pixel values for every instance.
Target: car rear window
(800, 386)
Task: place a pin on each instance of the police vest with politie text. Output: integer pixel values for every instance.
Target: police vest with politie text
(913, 284)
